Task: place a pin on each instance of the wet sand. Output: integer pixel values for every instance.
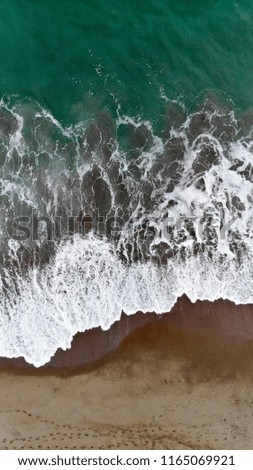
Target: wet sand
(176, 381)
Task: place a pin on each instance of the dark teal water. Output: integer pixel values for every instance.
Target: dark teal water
(77, 56)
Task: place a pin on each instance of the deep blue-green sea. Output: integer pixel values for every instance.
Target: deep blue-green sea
(74, 57)
(126, 162)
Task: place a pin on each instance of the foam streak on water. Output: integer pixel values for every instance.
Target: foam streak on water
(107, 216)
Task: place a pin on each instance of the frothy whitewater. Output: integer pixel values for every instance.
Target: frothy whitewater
(109, 215)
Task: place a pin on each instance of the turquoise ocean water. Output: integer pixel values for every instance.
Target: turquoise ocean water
(72, 56)
(126, 162)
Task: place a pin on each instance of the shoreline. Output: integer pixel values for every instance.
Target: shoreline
(230, 323)
(181, 381)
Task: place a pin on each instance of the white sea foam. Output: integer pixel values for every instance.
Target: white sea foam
(183, 207)
(87, 286)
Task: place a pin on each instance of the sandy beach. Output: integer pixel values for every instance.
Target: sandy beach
(177, 381)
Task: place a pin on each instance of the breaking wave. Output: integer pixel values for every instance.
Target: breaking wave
(110, 215)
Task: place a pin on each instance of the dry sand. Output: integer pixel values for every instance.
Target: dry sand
(184, 381)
